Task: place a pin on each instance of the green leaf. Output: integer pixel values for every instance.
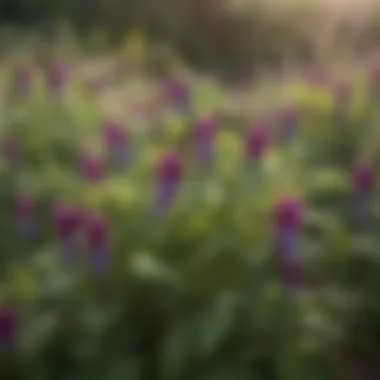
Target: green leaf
(174, 353)
(36, 331)
(126, 369)
(214, 326)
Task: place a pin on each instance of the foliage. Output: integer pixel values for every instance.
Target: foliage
(196, 292)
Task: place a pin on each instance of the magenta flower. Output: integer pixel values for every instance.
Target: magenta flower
(9, 325)
(12, 154)
(97, 236)
(116, 141)
(363, 180)
(26, 215)
(205, 131)
(57, 77)
(92, 168)
(288, 220)
(257, 141)
(23, 79)
(67, 220)
(169, 178)
(177, 93)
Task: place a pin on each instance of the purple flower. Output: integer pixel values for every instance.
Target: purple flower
(67, 220)
(97, 235)
(288, 213)
(23, 79)
(12, 153)
(205, 130)
(177, 93)
(169, 177)
(116, 141)
(257, 141)
(92, 168)
(57, 77)
(363, 180)
(26, 215)
(9, 323)
(288, 219)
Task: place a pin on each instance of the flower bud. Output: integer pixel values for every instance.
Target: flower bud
(169, 177)
(92, 168)
(205, 131)
(9, 326)
(363, 180)
(288, 219)
(116, 142)
(97, 235)
(67, 221)
(57, 78)
(257, 142)
(177, 93)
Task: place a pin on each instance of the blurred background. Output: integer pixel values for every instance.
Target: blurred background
(222, 34)
(157, 224)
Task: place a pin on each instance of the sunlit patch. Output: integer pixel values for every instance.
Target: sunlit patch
(23, 282)
(207, 98)
(175, 126)
(228, 152)
(123, 193)
(134, 44)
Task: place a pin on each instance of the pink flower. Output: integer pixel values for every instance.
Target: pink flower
(205, 131)
(92, 167)
(257, 141)
(9, 325)
(58, 75)
(97, 235)
(288, 215)
(170, 168)
(205, 128)
(177, 93)
(114, 133)
(363, 180)
(169, 178)
(116, 141)
(67, 220)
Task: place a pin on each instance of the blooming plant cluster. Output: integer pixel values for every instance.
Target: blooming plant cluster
(161, 230)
